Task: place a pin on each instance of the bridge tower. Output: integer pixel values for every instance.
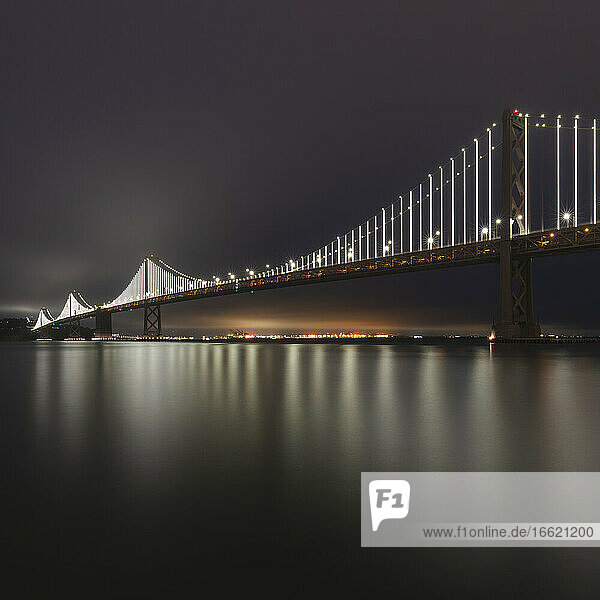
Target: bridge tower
(515, 297)
(152, 324)
(152, 321)
(74, 329)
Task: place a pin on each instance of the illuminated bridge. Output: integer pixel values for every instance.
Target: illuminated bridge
(527, 187)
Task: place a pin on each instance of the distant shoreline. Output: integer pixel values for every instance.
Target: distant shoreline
(372, 340)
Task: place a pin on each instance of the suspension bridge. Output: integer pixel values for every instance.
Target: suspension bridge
(526, 187)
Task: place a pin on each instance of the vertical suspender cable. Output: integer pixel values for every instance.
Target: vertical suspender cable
(401, 231)
(558, 172)
(575, 169)
(383, 238)
(360, 242)
(490, 182)
(392, 226)
(420, 216)
(464, 153)
(410, 213)
(526, 176)
(441, 207)
(430, 206)
(476, 189)
(452, 199)
(595, 167)
(375, 232)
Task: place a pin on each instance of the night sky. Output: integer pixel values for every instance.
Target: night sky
(223, 135)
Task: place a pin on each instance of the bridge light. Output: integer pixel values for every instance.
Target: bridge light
(567, 216)
(430, 240)
(520, 217)
(485, 231)
(437, 232)
(498, 221)
(251, 273)
(551, 235)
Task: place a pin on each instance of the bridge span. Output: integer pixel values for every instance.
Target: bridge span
(457, 216)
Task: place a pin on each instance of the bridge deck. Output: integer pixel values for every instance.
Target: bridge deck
(544, 243)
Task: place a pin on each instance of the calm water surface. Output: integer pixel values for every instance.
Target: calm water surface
(138, 469)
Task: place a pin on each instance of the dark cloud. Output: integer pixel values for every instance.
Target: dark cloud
(226, 134)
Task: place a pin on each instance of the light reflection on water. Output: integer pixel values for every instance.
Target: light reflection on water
(159, 441)
(383, 407)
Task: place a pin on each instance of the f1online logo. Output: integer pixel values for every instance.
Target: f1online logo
(389, 499)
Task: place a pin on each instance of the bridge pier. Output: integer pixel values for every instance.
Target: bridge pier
(74, 329)
(103, 325)
(517, 319)
(515, 290)
(152, 322)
